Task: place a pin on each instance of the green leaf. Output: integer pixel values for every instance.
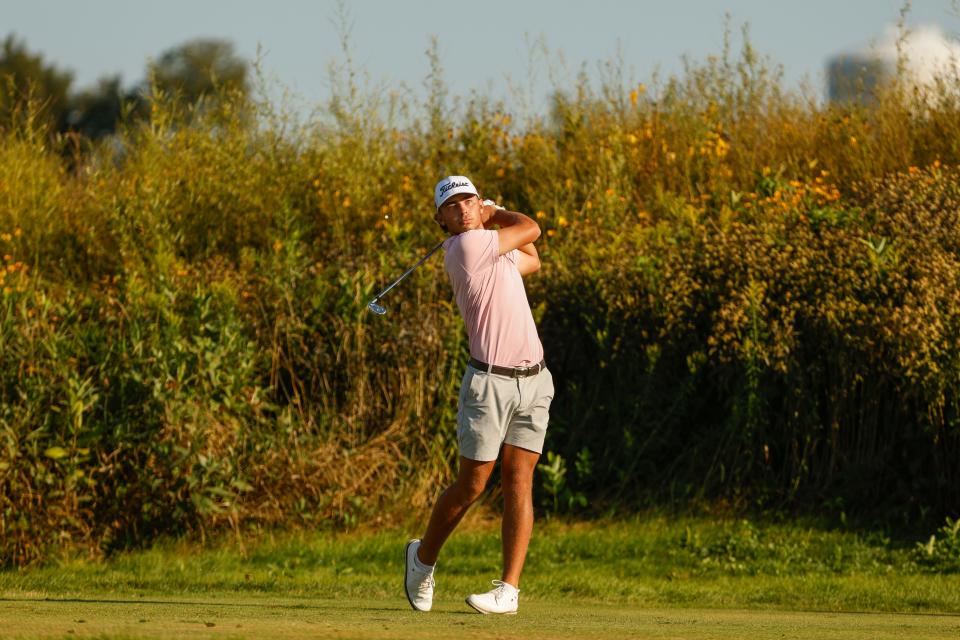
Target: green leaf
(55, 453)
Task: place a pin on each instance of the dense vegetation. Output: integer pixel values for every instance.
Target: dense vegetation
(747, 298)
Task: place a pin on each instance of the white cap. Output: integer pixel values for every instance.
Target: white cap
(451, 186)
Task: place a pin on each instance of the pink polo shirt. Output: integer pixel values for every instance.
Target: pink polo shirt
(492, 300)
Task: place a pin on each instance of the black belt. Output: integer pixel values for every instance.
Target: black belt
(513, 372)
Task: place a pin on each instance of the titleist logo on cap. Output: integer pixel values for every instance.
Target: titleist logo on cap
(451, 185)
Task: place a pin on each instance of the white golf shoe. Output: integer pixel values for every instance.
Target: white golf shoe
(504, 598)
(417, 583)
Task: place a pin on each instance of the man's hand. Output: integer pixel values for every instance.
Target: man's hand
(486, 214)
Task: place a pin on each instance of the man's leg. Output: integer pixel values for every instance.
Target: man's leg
(452, 506)
(517, 479)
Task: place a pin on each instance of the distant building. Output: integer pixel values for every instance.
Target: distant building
(926, 53)
(855, 77)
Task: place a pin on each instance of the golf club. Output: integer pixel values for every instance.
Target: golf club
(374, 305)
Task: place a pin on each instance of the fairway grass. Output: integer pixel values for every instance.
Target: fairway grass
(645, 578)
(246, 617)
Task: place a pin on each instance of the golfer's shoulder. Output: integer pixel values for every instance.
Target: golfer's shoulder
(472, 248)
(472, 241)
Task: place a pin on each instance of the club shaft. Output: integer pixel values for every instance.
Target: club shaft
(408, 271)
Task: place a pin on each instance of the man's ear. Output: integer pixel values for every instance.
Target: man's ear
(439, 220)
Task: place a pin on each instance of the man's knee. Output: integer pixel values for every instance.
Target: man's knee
(517, 479)
(469, 490)
(518, 467)
(472, 480)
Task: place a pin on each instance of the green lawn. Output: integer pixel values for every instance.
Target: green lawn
(647, 578)
(236, 616)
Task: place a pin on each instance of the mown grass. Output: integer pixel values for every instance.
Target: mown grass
(251, 617)
(652, 561)
(650, 577)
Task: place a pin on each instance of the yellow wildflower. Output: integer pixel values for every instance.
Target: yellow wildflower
(722, 147)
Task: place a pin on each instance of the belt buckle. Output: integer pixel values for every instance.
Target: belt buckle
(523, 372)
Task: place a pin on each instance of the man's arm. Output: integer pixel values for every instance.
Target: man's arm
(514, 228)
(529, 260)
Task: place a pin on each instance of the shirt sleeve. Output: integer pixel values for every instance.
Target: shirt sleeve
(481, 248)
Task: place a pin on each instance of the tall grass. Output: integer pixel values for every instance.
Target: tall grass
(746, 296)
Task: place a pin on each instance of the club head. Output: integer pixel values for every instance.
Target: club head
(376, 308)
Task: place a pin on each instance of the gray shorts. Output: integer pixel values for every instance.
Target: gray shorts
(495, 409)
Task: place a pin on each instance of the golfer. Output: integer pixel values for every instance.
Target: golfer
(505, 393)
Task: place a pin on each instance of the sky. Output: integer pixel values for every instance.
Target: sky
(511, 49)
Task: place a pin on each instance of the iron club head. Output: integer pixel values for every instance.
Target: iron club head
(374, 305)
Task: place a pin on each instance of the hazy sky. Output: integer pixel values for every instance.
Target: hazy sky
(484, 46)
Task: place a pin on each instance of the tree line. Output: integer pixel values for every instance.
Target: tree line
(31, 86)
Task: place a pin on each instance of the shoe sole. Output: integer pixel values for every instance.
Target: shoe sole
(406, 570)
(488, 613)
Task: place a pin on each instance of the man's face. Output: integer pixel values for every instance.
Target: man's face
(460, 213)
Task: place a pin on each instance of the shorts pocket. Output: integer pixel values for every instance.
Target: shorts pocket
(477, 386)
